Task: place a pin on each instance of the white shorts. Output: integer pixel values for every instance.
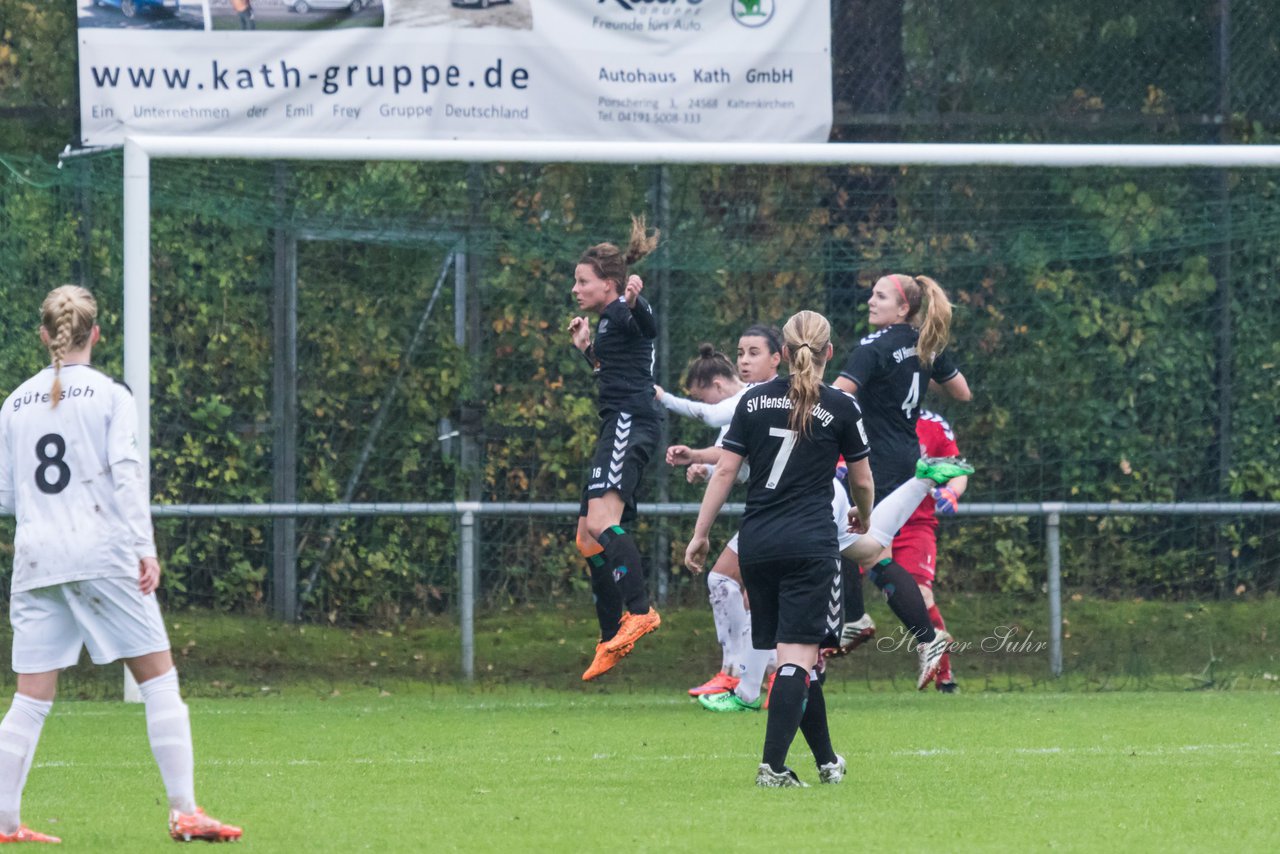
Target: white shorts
(840, 514)
(109, 616)
(732, 545)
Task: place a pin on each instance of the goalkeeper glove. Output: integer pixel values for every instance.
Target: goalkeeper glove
(946, 499)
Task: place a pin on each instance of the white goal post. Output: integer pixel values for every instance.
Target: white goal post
(139, 151)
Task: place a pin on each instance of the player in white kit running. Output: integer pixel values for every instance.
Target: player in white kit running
(84, 565)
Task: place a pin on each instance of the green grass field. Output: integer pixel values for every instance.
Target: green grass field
(1161, 735)
(517, 769)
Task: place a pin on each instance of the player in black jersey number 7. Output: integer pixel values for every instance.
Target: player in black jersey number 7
(84, 564)
(792, 431)
(621, 358)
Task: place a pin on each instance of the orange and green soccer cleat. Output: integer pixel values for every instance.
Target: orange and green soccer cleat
(26, 834)
(185, 827)
(605, 660)
(634, 627)
(717, 684)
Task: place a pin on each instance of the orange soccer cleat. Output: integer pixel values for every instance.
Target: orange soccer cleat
(605, 660)
(26, 834)
(185, 827)
(634, 627)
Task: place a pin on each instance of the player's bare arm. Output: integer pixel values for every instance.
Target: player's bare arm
(695, 554)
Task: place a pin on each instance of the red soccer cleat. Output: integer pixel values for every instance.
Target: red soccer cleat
(26, 834)
(718, 684)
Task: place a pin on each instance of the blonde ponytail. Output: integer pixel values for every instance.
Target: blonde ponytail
(806, 335)
(933, 319)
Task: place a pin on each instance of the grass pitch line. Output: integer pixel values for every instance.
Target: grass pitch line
(1089, 750)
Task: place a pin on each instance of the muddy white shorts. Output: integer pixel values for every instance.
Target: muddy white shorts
(108, 616)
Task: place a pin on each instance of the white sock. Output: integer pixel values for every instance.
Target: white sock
(19, 734)
(720, 590)
(757, 663)
(739, 626)
(896, 508)
(169, 729)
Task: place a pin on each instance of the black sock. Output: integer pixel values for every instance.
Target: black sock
(854, 606)
(605, 593)
(813, 725)
(786, 708)
(623, 560)
(904, 598)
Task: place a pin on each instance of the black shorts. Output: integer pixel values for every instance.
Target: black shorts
(794, 600)
(623, 450)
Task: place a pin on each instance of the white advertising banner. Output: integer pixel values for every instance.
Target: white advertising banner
(638, 70)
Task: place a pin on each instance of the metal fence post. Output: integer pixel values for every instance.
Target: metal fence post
(1053, 544)
(284, 405)
(467, 588)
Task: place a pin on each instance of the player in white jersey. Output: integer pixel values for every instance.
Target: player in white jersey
(84, 569)
(744, 669)
(714, 383)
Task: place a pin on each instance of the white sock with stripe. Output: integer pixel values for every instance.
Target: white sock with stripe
(169, 730)
(19, 734)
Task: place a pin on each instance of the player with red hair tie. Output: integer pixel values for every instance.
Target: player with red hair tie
(890, 370)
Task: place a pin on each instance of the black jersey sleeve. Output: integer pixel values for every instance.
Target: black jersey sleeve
(735, 438)
(863, 364)
(642, 318)
(944, 367)
(852, 435)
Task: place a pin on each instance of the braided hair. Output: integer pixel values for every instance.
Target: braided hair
(68, 315)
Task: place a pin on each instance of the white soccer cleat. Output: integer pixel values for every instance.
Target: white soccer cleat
(833, 772)
(931, 657)
(855, 634)
(786, 779)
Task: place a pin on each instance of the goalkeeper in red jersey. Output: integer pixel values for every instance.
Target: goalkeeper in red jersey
(915, 547)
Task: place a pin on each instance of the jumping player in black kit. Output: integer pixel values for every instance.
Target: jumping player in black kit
(890, 370)
(792, 430)
(621, 357)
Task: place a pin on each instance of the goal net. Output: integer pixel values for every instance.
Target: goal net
(1118, 326)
